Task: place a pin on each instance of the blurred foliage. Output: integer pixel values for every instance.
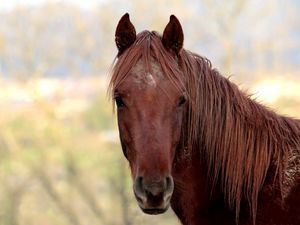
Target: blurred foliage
(99, 116)
(58, 38)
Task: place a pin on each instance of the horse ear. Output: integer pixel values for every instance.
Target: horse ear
(173, 35)
(125, 34)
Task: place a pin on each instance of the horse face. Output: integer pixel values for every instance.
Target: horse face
(150, 110)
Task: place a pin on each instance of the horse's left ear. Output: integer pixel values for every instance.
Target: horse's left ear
(173, 36)
(125, 34)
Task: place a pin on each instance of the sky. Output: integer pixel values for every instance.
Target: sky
(8, 5)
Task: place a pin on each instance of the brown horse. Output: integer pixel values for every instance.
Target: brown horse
(195, 141)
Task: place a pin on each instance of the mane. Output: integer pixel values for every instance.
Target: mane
(241, 140)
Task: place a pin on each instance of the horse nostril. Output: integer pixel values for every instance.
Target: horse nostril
(169, 184)
(139, 187)
(139, 191)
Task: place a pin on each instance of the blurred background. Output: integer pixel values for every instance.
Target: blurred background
(60, 159)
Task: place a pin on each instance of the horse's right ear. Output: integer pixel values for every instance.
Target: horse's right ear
(125, 34)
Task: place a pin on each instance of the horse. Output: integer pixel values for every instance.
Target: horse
(195, 141)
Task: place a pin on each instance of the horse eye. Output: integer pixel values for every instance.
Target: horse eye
(119, 101)
(182, 100)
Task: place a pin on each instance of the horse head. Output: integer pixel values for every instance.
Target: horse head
(148, 89)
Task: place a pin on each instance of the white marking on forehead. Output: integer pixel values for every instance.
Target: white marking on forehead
(144, 78)
(150, 80)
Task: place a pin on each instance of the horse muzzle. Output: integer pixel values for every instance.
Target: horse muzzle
(153, 196)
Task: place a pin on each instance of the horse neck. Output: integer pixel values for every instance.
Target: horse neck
(239, 138)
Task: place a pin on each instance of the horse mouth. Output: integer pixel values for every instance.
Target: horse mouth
(154, 211)
(153, 208)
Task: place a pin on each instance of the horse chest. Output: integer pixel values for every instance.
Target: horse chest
(191, 193)
(193, 201)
